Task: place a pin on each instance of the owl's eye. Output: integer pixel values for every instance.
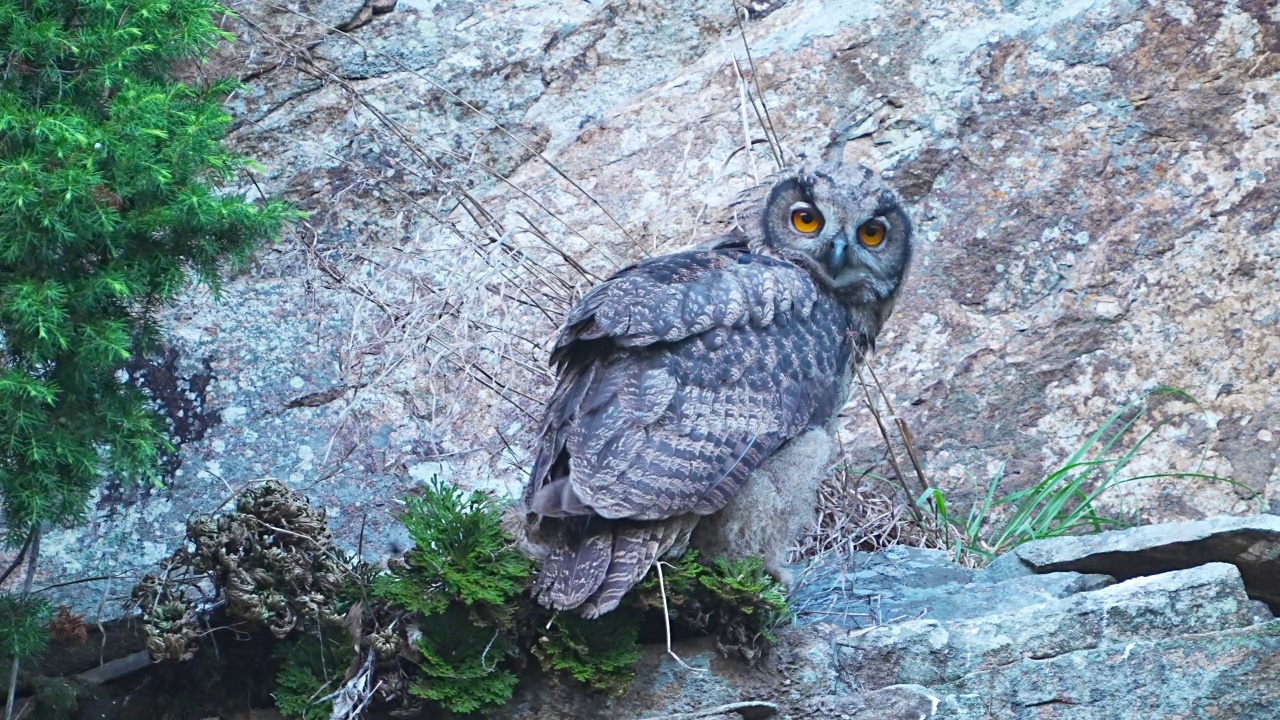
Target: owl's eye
(805, 218)
(872, 232)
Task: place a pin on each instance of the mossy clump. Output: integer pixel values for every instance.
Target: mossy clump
(736, 602)
(601, 653)
(748, 604)
(56, 698)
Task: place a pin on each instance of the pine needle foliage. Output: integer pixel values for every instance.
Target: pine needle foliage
(23, 628)
(110, 204)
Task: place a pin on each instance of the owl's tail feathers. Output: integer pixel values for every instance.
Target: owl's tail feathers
(594, 574)
(575, 565)
(634, 550)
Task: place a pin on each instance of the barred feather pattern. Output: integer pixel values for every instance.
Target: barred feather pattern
(666, 406)
(681, 374)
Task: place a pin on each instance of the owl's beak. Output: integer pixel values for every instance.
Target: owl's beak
(835, 257)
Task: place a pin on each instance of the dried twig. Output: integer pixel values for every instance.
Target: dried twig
(666, 620)
(901, 424)
(350, 700)
(743, 100)
(17, 561)
(888, 441)
(749, 710)
(766, 122)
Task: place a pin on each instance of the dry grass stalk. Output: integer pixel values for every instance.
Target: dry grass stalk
(857, 513)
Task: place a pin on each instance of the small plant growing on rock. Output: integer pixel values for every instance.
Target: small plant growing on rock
(466, 663)
(858, 514)
(68, 627)
(601, 653)
(1062, 503)
(736, 601)
(463, 579)
(748, 605)
(296, 687)
(461, 553)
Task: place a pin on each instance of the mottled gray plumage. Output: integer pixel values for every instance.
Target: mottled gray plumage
(680, 374)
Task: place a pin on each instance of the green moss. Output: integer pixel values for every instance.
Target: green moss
(680, 579)
(56, 698)
(601, 653)
(747, 604)
(737, 602)
(744, 584)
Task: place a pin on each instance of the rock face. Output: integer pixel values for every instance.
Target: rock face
(906, 634)
(1095, 185)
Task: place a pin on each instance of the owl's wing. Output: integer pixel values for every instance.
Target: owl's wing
(673, 297)
(679, 375)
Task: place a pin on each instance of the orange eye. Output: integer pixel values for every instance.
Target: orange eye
(805, 218)
(872, 233)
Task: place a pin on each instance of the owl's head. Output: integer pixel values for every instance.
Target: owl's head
(842, 224)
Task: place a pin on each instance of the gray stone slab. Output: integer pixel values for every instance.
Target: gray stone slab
(1207, 599)
(1252, 544)
(906, 582)
(1232, 675)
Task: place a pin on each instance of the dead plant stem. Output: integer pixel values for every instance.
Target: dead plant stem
(34, 555)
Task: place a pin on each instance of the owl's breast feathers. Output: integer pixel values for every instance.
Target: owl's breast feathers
(678, 377)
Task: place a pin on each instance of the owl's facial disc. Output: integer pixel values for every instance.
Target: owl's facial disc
(865, 259)
(844, 225)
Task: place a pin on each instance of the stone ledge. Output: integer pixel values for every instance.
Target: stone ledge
(1252, 544)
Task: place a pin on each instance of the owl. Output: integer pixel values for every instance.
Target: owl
(679, 375)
